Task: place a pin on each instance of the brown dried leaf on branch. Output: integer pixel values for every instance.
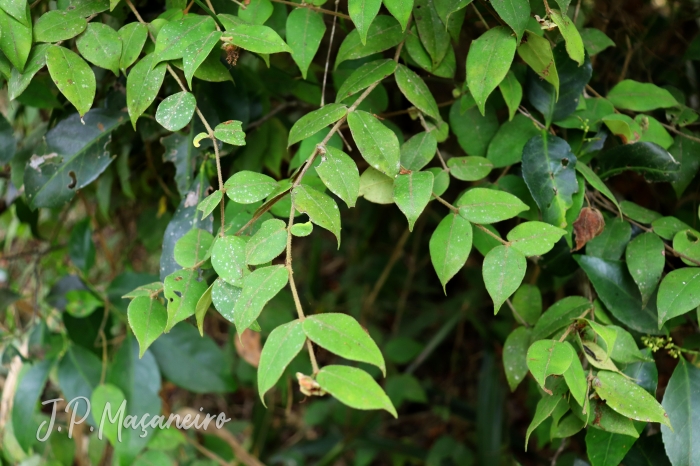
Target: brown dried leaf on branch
(588, 225)
(248, 347)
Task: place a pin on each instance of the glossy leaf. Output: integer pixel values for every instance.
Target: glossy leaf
(549, 171)
(470, 168)
(515, 13)
(378, 145)
(515, 356)
(354, 387)
(147, 318)
(534, 238)
(257, 12)
(315, 121)
(133, 37)
(572, 38)
(488, 62)
(142, 86)
(450, 245)
(628, 398)
(225, 296)
(646, 158)
(17, 9)
(256, 38)
(548, 357)
(197, 53)
(506, 147)
(482, 205)
(175, 36)
(267, 243)
(400, 9)
(101, 46)
(681, 403)
(258, 288)
(679, 293)
(504, 269)
(576, 379)
(645, 261)
(339, 173)
(362, 13)
(246, 187)
(281, 347)
(611, 243)
(546, 406)
(202, 307)
(365, 76)
(321, 209)
(606, 448)
(72, 76)
(176, 111)
(376, 187)
(58, 25)
(305, 30)
(418, 151)
(341, 334)
(416, 91)
(383, 34)
(412, 192)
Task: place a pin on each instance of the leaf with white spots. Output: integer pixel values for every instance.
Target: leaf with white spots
(378, 144)
(362, 13)
(256, 38)
(315, 121)
(450, 246)
(628, 398)
(534, 238)
(339, 173)
(679, 293)
(515, 356)
(321, 208)
(267, 243)
(645, 261)
(197, 52)
(101, 46)
(549, 357)
(258, 288)
(470, 168)
(281, 347)
(175, 36)
(182, 290)
(176, 111)
(504, 269)
(246, 187)
(193, 248)
(58, 25)
(354, 387)
(224, 296)
(228, 259)
(142, 86)
(365, 76)
(305, 30)
(230, 132)
(72, 76)
(482, 205)
(412, 192)
(133, 37)
(208, 205)
(416, 91)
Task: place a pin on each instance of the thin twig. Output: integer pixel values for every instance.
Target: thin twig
(486, 25)
(680, 133)
(328, 56)
(523, 111)
(439, 154)
(455, 210)
(313, 8)
(270, 114)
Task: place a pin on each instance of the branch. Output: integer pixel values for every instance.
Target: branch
(313, 8)
(455, 211)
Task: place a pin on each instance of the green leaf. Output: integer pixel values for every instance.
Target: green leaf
(619, 293)
(575, 378)
(589, 115)
(258, 288)
(640, 97)
(412, 192)
(182, 290)
(257, 12)
(549, 172)
(133, 37)
(515, 356)
(400, 9)
(376, 187)
(108, 395)
(414, 88)
(546, 406)
(418, 151)
(572, 38)
(611, 243)
(246, 187)
(600, 416)
(527, 302)
(365, 76)
(384, 33)
(72, 76)
(24, 405)
(175, 36)
(176, 111)
(488, 62)
(210, 203)
(682, 403)
(441, 180)
(230, 132)
(645, 262)
(18, 82)
(281, 347)
(628, 398)
(58, 25)
(339, 173)
(193, 247)
(228, 259)
(267, 243)
(534, 238)
(197, 53)
(606, 448)
(504, 269)
(193, 362)
(101, 46)
(549, 357)
(87, 8)
(432, 31)
(623, 127)
(378, 144)
(559, 315)
(74, 156)
(17, 9)
(404, 387)
(506, 147)
(16, 38)
(668, 227)
(653, 131)
(482, 205)
(202, 307)
(474, 131)
(147, 318)
(225, 296)
(144, 290)
(315, 121)
(321, 208)
(354, 387)
(686, 243)
(469, 168)
(362, 13)
(302, 229)
(305, 30)
(648, 159)
(679, 293)
(638, 213)
(450, 245)
(625, 349)
(687, 153)
(597, 183)
(515, 13)
(512, 93)
(142, 86)
(255, 38)
(595, 41)
(78, 374)
(537, 53)
(558, 103)
(341, 334)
